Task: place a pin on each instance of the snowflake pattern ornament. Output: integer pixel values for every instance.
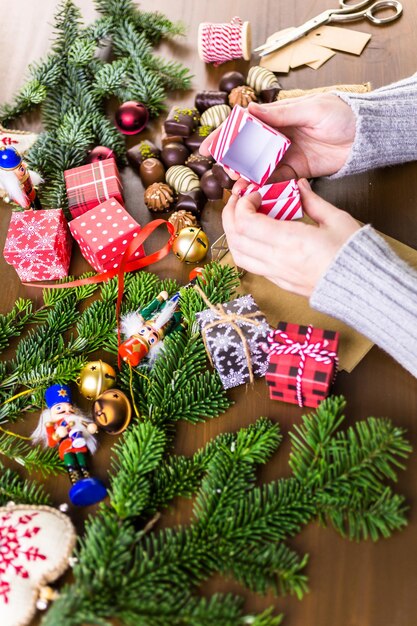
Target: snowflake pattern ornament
(35, 545)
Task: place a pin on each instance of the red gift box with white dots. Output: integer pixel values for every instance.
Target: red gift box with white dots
(89, 185)
(38, 245)
(317, 375)
(103, 234)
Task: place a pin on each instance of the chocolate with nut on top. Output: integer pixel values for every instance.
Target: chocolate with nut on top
(199, 164)
(181, 121)
(143, 150)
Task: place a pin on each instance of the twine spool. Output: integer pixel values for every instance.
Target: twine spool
(218, 43)
(297, 93)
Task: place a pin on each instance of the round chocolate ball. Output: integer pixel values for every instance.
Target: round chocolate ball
(230, 80)
(199, 164)
(151, 171)
(174, 154)
(222, 177)
(211, 186)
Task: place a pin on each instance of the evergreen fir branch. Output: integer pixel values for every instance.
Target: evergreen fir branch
(139, 453)
(13, 323)
(111, 77)
(14, 489)
(30, 96)
(172, 73)
(32, 458)
(81, 52)
(144, 287)
(157, 26)
(119, 9)
(96, 325)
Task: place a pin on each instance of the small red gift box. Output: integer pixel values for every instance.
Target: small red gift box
(302, 363)
(38, 245)
(249, 147)
(104, 233)
(281, 201)
(90, 185)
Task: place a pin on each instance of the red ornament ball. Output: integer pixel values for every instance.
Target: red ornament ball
(131, 117)
(100, 153)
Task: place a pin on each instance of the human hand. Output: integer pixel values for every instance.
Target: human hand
(321, 128)
(293, 255)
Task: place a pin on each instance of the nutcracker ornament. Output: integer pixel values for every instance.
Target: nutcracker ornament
(147, 327)
(64, 426)
(16, 179)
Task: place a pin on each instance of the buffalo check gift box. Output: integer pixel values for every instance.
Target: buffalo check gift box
(234, 334)
(91, 184)
(302, 363)
(38, 245)
(104, 233)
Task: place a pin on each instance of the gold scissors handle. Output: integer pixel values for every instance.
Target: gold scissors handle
(346, 13)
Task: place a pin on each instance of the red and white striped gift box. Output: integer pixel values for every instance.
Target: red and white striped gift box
(247, 146)
(281, 201)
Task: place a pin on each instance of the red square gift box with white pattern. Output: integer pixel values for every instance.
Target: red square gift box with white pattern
(38, 245)
(302, 363)
(91, 184)
(104, 233)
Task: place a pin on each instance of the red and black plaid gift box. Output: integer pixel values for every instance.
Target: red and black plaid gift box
(91, 184)
(302, 363)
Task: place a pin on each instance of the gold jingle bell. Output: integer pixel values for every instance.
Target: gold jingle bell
(112, 411)
(191, 244)
(95, 378)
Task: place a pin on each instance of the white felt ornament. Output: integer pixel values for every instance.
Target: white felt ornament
(36, 543)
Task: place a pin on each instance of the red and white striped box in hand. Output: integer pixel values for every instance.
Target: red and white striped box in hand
(104, 233)
(281, 201)
(247, 146)
(89, 185)
(38, 245)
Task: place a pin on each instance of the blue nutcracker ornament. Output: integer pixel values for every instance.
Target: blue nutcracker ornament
(16, 179)
(62, 425)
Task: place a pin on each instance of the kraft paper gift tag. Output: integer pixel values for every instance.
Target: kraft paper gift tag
(279, 305)
(341, 39)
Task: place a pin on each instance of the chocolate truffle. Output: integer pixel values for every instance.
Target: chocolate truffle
(143, 150)
(181, 219)
(181, 121)
(194, 141)
(260, 78)
(192, 201)
(206, 99)
(270, 95)
(222, 177)
(241, 96)
(182, 178)
(199, 164)
(174, 154)
(211, 186)
(214, 116)
(230, 80)
(165, 139)
(151, 171)
(159, 197)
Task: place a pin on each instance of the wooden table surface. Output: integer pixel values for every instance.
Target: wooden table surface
(351, 584)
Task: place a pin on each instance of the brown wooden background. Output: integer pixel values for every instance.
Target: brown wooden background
(351, 584)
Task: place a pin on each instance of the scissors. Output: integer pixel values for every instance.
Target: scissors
(346, 13)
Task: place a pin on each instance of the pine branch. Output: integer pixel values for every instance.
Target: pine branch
(14, 489)
(32, 458)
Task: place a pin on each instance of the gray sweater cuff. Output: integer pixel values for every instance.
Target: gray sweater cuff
(371, 289)
(386, 127)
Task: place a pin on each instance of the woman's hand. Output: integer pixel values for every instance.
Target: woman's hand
(321, 127)
(293, 255)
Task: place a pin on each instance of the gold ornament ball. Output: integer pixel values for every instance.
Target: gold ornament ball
(112, 411)
(190, 245)
(95, 378)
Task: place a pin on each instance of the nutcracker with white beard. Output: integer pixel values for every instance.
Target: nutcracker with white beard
(63, 426)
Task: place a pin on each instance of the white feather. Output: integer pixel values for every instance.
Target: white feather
(35, 178)
(131, 323)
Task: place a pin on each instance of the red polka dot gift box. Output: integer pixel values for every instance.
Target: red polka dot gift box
(104, 233)
(38, 245)
(91, 184)
(302, 363)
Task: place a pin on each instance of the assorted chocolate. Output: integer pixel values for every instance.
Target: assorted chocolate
(143, 150)
(199, 164)
(192, 201)
(211, 187)
(151, 171)
(206, 99)
(174, 154)
(214, 116)
(182, 178)
(222, 177)
(242, 96)
(159, 197)
(181, 121)
(230, 80)
(181, 219)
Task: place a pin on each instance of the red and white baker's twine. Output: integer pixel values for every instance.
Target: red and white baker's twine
(316, 351)
(221, 42)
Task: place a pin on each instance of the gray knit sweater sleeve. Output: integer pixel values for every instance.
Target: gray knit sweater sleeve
(386, 127)
(371, 289)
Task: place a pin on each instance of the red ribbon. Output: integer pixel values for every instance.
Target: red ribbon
(125, 265)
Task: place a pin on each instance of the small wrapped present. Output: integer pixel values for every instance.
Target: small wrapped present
(233, 334)
(38, 245)
(91, 184)
(249, 147)
(302, 363)
(281, 201)
(104, 233)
